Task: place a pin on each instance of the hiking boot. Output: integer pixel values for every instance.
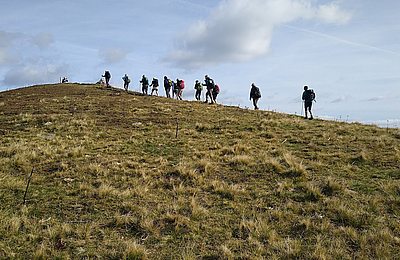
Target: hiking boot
(311, 118)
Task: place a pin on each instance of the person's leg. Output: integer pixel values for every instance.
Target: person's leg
(309, 109)
(255, 100)
(305, 109)
(211, 96)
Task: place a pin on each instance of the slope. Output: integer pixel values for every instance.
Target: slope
(112, 180)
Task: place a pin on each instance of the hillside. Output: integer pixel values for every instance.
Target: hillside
(111, 180)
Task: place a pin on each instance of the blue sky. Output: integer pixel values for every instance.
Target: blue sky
(347, 51)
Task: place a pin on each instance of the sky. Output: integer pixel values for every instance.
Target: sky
(347, 51)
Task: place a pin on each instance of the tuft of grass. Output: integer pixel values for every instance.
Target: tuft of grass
(295, 169)
(134, 251)
(241, 160)
(331, 187)
(225, 190)
(312, 192)
(197, 210)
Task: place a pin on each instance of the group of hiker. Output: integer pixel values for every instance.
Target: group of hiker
(173, 89)
(212, 90)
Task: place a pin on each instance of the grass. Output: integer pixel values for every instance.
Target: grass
(111, 180)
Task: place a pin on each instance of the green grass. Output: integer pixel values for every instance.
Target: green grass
(111, 180)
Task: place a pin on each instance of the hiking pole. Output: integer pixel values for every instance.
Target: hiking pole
(27, 185)
(302, 106)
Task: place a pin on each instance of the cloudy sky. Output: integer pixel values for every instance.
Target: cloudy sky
(347, 51)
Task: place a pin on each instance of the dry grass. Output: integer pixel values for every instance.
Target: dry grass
(112, 181)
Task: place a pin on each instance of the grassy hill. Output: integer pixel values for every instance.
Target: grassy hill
(111, 180)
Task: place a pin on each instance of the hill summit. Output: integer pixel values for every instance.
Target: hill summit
(120, 175)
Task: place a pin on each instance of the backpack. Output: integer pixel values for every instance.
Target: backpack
(107, 74)
(257, 92)
(182, 84)
(312, 95)
(216, 89)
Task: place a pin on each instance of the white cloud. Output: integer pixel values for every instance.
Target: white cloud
(377, 98)
(43, 40)
(7, 38)
(331, 13)
(112, 55)
(5, 57)
(339, 100)
(240, 30)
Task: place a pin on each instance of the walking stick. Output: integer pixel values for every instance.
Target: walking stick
(302, 106)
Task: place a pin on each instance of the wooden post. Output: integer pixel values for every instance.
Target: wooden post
(27, 185)
(177, 128)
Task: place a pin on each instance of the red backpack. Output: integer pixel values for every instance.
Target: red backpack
(216, 89)
(182, 85)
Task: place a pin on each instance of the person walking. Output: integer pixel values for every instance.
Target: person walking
(154, 85)
(308, 97)
(181, 86)
(173, 89)
(215, 92)
(209, 84)
(167, 86)
(255, 94)
(199, 88)
(176, 88)
(107, 76)
(126, 82)
(145, 85)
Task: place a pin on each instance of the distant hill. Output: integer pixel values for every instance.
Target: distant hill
(111, 180)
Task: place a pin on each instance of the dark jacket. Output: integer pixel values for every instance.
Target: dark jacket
(255, 92)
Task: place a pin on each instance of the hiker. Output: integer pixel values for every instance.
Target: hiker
(176, 89)
(101, 82)
(308, 97)
(173, 87)
(64, 80)
(145, 85)
(215, 92)
(167, 86)
(126, 82)
(181, 86)
(255, 94)
(198, 87)
(209, 83)
(154, 84)
(107, 76)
